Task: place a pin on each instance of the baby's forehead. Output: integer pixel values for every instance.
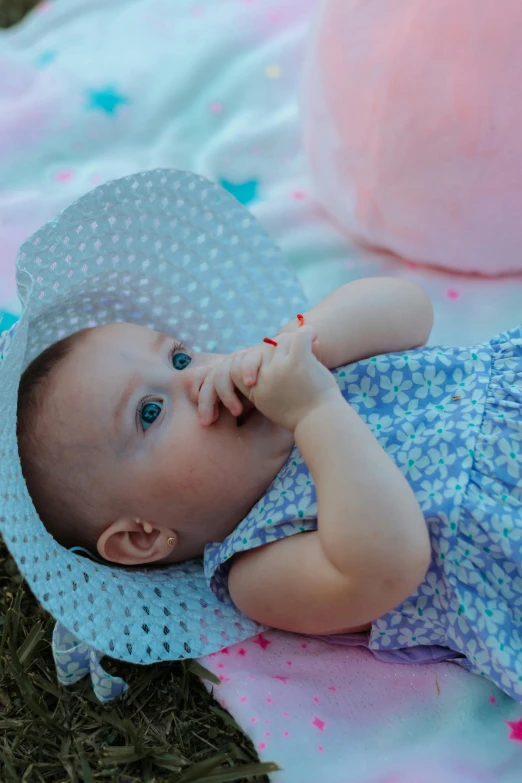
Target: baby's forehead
(89, 382)
(122, 330)
(109, 338)
(99, 363)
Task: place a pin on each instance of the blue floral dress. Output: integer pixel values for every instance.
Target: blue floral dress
(451, 419)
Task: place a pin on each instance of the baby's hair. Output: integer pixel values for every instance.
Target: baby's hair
(63, 508)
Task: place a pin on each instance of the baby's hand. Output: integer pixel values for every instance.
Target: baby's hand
(218, 384)
(295, 324)
(291, 381)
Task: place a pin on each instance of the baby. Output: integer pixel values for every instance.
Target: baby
(136, 447)
(123, 445)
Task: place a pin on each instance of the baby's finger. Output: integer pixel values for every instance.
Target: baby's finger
(250, 364)
(208, 401)
(284, 341)
(236, 375)
(303, 340)
(317, 349)
(225, 389)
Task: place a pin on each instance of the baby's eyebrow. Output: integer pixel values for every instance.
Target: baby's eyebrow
(159, 340)
(123, 401)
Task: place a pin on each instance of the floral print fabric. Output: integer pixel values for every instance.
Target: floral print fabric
(451, 419)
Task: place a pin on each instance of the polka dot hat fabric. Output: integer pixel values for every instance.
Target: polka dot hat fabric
(169, 250)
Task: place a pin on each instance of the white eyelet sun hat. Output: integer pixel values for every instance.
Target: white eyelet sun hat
(174, 252)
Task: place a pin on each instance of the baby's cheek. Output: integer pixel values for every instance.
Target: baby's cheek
(198, 463)
(209, 467)
(192, 466)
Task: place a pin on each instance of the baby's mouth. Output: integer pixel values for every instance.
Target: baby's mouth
(243, 417)
(248, 409)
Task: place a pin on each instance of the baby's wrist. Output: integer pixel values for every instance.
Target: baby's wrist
(329, 404)
(291, 326)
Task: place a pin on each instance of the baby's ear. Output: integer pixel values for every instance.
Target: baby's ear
(132, 541)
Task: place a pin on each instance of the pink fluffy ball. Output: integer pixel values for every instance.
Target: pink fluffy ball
(413, 127)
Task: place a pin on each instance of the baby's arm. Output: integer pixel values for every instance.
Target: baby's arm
(371, 549)
(369, 317)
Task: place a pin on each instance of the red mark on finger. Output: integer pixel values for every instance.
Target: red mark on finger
(300, 318)
(269, 341)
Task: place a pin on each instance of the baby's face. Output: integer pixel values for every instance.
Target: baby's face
(124, 397)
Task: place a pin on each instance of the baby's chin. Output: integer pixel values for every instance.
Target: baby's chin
(253, 425)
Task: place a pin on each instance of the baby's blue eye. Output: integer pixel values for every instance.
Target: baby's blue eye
(181, 360)
(149, 413)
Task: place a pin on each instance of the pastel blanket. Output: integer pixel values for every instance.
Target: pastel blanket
(91, 90)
